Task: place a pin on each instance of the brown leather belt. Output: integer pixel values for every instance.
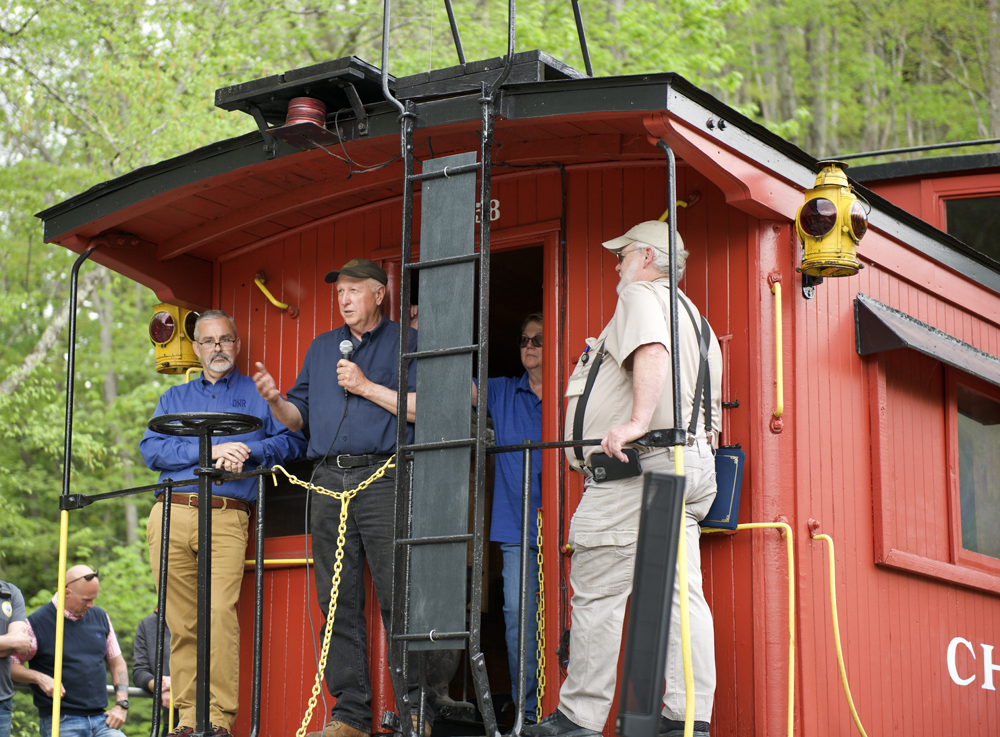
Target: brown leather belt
(218, 502)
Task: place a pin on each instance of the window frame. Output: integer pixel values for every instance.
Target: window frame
(959, 555)
(964, 568)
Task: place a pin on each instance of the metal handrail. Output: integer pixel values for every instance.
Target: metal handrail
(779, 373)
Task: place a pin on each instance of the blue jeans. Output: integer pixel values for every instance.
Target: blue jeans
(6, 713)
(74, 726)
(511, 595)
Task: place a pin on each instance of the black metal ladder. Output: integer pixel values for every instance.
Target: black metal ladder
(448, 256)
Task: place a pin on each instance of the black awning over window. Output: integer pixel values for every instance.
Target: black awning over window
(878, 327)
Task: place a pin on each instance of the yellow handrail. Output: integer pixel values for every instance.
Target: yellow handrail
(260, 281)
(60, 621)
(786, 533)
(281, 562)
(682, 582)
(776, 289)
(836, 634)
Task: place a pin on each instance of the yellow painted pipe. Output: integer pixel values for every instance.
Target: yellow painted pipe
(685, 614)
(260, 281)
(60, 621)
(280, 562)
(786, 533)
(666, 213)
(776, 288)
(836, 634)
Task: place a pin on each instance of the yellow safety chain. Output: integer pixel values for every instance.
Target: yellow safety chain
(540, 621)
(345, 499)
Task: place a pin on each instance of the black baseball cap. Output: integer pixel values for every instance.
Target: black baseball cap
(359, 268)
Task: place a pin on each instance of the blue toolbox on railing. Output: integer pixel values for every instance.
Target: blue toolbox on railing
(725, 511)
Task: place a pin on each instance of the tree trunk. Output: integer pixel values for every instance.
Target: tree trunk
(106, 309)
(819, 65)
(993, 93)
(87, 283)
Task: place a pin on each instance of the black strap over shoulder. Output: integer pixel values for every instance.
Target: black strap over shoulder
(704, 383)
(581, 406)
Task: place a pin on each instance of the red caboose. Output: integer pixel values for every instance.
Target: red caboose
(881, 434)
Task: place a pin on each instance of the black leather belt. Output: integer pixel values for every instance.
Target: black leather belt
(373, 459)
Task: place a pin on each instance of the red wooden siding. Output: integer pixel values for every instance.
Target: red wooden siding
(870, 452)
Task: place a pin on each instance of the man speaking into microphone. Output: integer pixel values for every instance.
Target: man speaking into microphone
(351, 426)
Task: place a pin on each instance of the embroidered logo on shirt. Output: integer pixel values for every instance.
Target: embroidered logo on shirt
(240, 403)
(8, 610)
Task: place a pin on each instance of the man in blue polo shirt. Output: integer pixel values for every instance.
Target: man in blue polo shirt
(515, 406)
(221, 388)
(348, 407)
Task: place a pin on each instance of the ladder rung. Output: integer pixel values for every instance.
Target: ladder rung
(435, 539)
(430, 353)
(448, 171)
(417, 265)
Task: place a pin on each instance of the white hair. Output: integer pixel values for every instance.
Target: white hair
(661, 259)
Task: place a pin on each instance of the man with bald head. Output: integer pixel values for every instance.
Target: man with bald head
(89, 648)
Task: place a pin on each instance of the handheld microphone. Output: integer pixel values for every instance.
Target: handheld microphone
(346, 349)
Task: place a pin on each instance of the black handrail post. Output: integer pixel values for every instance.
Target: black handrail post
(71, 368)
(161, 612)
(582, 35)
(454, 32)
(204, 657)
(674, 324)
(258, 609)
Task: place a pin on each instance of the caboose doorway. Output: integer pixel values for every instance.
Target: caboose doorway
(516, 279)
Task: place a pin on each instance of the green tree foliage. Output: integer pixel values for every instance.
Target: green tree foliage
(836, 76)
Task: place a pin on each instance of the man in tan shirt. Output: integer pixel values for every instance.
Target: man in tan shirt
(632, 395)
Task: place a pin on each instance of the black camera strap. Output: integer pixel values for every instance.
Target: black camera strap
(581, 406)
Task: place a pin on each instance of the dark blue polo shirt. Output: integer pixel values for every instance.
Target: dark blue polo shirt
(367, 428)
(517, 416)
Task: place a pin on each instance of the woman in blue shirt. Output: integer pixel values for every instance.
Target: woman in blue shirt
(515, 405)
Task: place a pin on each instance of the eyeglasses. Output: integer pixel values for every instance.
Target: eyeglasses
(620, 255)
(535, 340)
(84, 577)
(224, 342)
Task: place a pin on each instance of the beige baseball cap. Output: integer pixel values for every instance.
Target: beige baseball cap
(652, 233)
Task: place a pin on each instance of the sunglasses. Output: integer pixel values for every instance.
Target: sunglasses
(535, 340)
(84, 577)
(620, 255)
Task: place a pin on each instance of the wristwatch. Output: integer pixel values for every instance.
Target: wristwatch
(123, 704)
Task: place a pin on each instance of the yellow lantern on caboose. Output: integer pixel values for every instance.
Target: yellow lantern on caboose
(171, 329)
(830, 224)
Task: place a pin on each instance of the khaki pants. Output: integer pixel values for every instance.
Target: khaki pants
(603, 533)
(229, 543)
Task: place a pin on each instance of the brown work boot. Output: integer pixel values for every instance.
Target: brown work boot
(427, 726)
(339, 729)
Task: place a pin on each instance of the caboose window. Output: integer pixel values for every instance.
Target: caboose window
(976, 222)
(978, 471)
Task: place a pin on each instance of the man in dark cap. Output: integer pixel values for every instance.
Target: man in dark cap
(351, 424)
